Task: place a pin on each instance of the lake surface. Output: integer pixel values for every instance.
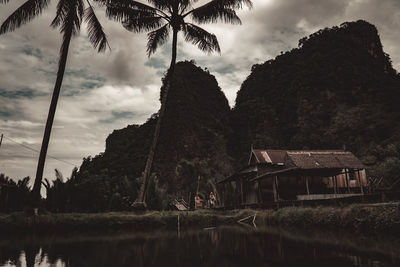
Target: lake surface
(230, 247)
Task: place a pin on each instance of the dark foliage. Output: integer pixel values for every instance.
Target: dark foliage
(338, 88)
(191, 144)
(13, 195)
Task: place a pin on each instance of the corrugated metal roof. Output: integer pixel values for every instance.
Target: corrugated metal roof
(303, 161)
(270, 156)
(328, 159)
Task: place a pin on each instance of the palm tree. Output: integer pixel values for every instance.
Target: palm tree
(69, 17)
(160, 17)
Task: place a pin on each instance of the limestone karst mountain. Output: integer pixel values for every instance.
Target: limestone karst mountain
(337, 88)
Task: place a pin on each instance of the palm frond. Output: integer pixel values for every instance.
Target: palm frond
(140, 24)
(184, 5)
(95, 31)
(120, 12)
(61, 13)
(161, 4)
(69, 11)
(133, 19)
(59, 175)
(235, 4)
(157, 38)
(74, 16)
(25, 13)
(207, 15)
(205, 41)
(46, 184)
(126, 3)
(80, 8)
(135, 16)
(219, 9)
(24, 182)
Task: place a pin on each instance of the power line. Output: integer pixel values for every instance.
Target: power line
(37, 151)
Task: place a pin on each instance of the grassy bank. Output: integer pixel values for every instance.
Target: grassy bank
(156, 220)
(383, 217)
(368, 218)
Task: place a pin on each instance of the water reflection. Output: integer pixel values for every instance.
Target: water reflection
(222, 247)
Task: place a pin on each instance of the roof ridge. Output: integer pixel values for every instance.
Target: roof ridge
(318, 152)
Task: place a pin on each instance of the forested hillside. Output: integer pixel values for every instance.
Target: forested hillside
(338, 88)
(191, 144)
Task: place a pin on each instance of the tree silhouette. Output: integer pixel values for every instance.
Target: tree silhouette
(160, 17)
(69, 17)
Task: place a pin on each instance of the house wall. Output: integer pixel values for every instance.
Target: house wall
(353, 183)
(290, 187)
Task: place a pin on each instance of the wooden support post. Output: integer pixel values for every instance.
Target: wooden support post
(359, 180)
(347, 180)
(179, 227)
(222, 195)
(277, 186)
(260, 201)
(241, 190)
(307, 186)
(274, 189)
(1, 139)
(334, 185)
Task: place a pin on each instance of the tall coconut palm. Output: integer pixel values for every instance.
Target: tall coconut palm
(160, 17)
(69, 17)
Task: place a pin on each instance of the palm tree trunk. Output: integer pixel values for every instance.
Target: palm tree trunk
(140, 201)
(50, 117)
(173, 59)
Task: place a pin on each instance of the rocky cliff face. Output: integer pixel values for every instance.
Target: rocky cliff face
(192, 139)
(337, 88)
(191, 143)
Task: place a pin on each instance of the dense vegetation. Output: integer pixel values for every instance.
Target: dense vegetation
(13, 195)
(373, 218)
(337, 88)
(191, 144)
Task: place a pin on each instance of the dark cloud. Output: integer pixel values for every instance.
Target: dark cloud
(5, 114)
(24, 93)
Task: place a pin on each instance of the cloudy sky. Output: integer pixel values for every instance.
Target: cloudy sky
(103, 92)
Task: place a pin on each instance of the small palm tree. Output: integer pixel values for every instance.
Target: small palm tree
(69, 17)
(160, 17)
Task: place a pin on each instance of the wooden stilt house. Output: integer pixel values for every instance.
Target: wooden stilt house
(290, 175)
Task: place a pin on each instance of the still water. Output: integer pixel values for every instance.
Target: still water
(222, 247)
